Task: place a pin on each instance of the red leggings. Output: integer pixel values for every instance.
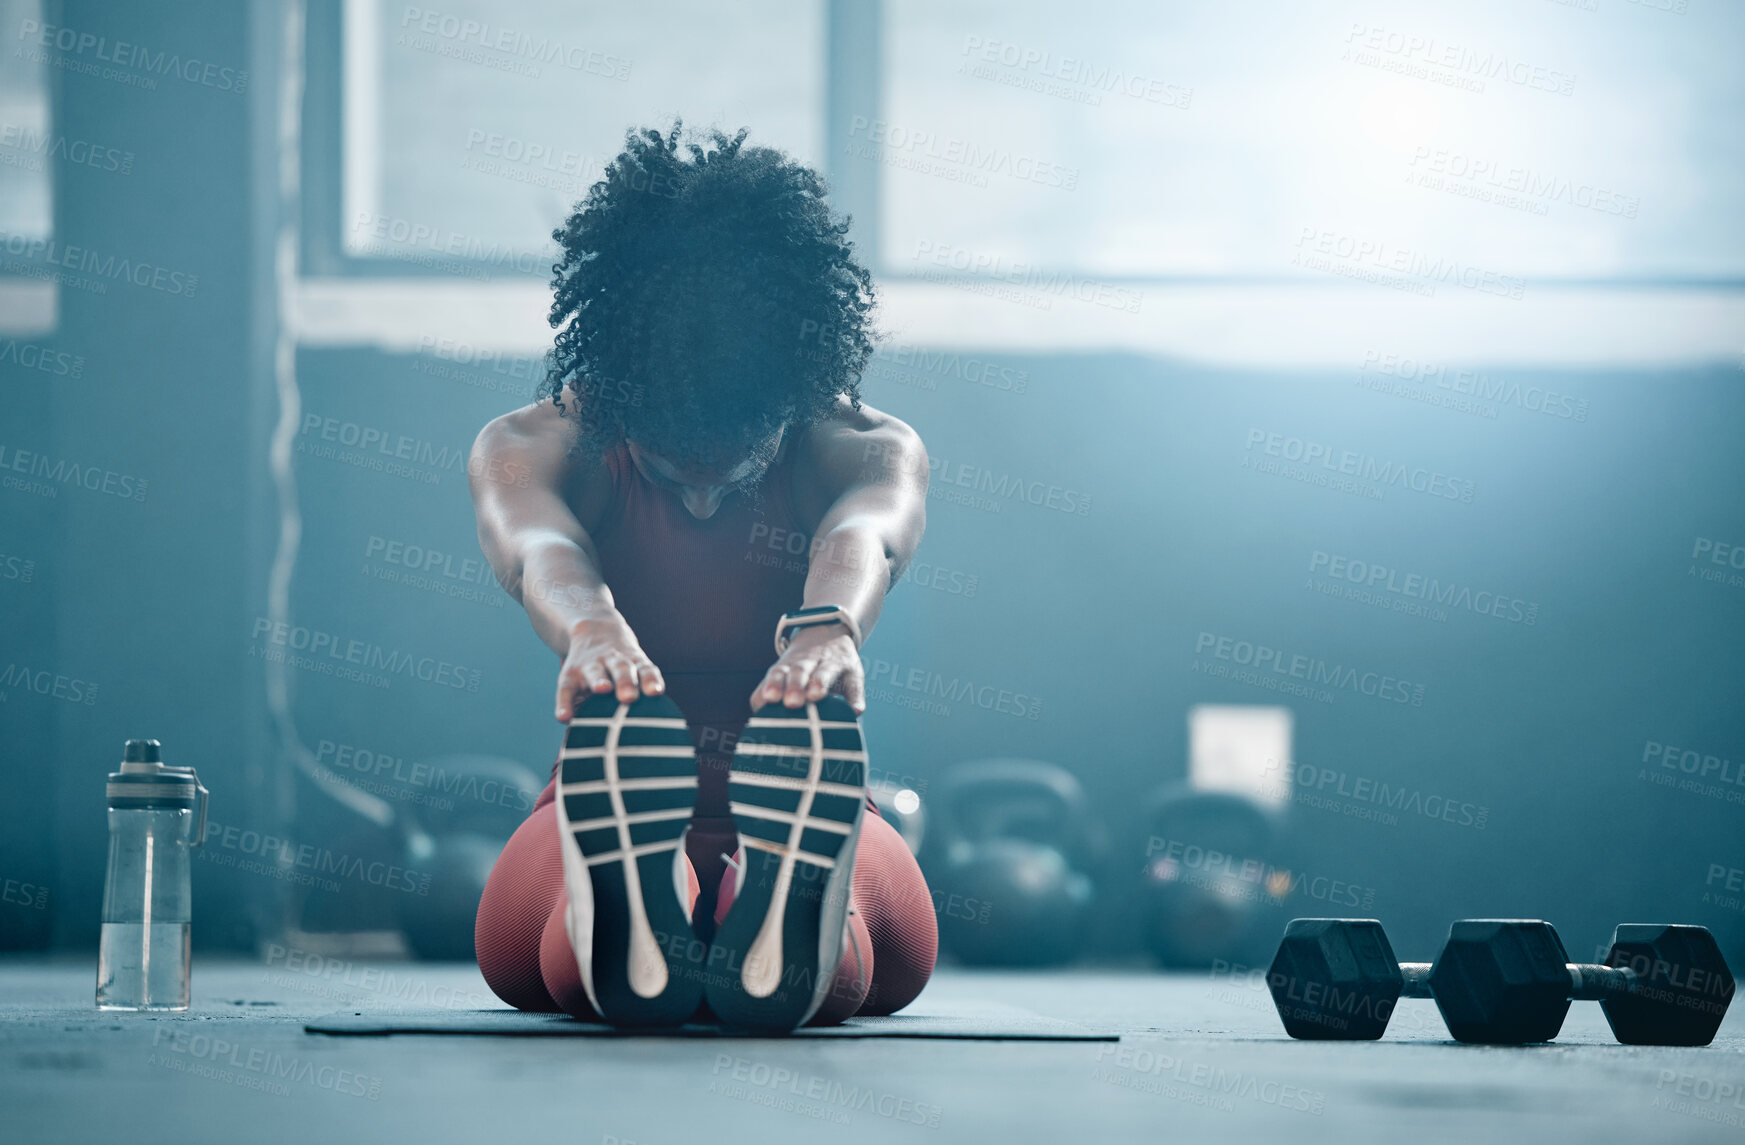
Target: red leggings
(524, 950)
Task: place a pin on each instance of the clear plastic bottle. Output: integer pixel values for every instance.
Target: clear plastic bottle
(156, 815)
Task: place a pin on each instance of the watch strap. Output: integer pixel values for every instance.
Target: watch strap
(804, 618)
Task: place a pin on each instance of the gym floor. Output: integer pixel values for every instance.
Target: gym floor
(1199, 1058)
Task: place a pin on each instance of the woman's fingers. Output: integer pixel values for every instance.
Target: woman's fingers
(572, 681)
(774, 684)
(596, 674)
(567, 683)
(629, 677)
(824, 677)
(799, 681)
(853, 686)
(801, 678)
(624, 677)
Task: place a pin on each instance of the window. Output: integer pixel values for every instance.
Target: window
(29, 301)
(25, 142)
(468, 130)
(1575, 139)
(1153, 175)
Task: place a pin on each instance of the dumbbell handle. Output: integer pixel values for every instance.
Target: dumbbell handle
(1417, 976)
(1588, 982)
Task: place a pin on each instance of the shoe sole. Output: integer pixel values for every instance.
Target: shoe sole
(627, 788)
(797, 791)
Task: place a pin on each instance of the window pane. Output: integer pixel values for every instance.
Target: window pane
(486, 120)
(25, 142)
(1533, 137)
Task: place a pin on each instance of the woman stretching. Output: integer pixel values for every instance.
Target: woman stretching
(706, 838)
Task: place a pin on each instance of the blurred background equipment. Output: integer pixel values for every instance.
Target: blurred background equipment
(1211, 886)
(902, 807)
(1006, 865)
(1211, 890)
(412, 886)
(456, 847)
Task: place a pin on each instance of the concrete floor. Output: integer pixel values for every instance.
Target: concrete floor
(1200, 1058)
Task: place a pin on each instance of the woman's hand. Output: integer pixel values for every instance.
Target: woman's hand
(604, 655)
(819, 661)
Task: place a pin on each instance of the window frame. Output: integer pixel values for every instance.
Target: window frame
(851, 59)
(855, 53)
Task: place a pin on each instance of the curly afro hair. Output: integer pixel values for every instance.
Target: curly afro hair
(705, 297)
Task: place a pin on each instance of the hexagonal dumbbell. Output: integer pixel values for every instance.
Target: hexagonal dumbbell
(1680, 987)
(1501, 981)
(1509, 981)
(1336, 978)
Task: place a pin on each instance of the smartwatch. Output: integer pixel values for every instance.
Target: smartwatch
(793, 622)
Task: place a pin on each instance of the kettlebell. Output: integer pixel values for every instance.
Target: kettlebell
(1005, 877)
(451, 850)
(1207, 878)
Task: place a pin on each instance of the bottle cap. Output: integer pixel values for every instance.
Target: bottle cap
(145, 782)
(143, 751)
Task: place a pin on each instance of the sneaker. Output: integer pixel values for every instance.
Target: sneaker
(798, 792)
(624, 800)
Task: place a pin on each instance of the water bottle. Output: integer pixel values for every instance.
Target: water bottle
(156, 814)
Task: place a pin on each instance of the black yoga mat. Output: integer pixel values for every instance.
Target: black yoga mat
(957, 1020)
